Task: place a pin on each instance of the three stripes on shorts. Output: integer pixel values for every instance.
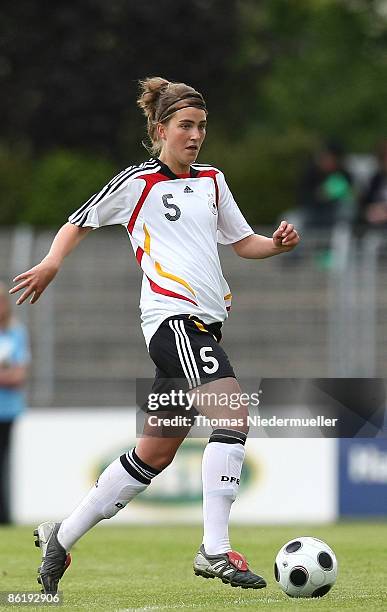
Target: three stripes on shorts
(185, 352)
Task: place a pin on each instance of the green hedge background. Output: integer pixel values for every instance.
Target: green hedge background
(280, 76)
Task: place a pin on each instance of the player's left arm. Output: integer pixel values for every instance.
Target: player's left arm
(284, 239)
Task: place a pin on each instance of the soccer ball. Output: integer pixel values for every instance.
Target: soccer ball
(305, 567)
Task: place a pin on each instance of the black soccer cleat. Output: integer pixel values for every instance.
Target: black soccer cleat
(55, 560)
(231, 567)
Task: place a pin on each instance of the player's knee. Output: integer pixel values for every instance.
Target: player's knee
(244, 420)
(244, 427)
(163, 459)
(158, 456)
(240, 415)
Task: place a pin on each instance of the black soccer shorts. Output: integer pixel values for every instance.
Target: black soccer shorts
(187, 354)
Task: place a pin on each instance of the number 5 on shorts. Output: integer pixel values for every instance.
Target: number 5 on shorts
(209, 359)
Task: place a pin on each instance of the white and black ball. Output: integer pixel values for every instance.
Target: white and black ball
(306, 567)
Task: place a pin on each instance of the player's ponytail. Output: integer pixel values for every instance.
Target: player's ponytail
(148, 101)
(159, 99)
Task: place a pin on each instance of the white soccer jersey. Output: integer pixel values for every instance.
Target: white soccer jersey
(174, 224)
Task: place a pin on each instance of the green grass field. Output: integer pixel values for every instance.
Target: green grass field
(150, 568)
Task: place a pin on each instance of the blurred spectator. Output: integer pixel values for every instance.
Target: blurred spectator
(326, 189)
(14, 358)
(373, 209)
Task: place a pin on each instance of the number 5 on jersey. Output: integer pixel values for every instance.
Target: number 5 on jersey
(170, 205)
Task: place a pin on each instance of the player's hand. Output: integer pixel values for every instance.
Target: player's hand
(35, 281)
(285, 237)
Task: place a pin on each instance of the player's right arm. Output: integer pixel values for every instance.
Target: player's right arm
(112, 205)
(35, 280)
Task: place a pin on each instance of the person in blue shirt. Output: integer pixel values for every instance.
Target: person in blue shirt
(14, 358)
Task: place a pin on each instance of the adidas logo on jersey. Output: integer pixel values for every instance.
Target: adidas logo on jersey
(188, 190)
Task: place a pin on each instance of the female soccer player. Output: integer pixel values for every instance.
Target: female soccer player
(175, 212)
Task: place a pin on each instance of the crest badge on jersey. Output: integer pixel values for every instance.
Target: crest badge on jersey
(212, 204)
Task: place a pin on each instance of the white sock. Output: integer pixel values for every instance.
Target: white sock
(221, 470)
(116, 486)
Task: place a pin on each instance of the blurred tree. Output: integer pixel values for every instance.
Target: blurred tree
(279, 75)
(61, 181)
(15, 179)
(68, 71)
(345, 64)
(318, 65)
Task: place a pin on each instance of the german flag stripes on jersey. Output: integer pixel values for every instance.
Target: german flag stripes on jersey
(174, 223)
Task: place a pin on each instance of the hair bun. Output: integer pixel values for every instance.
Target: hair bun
(151, 89)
